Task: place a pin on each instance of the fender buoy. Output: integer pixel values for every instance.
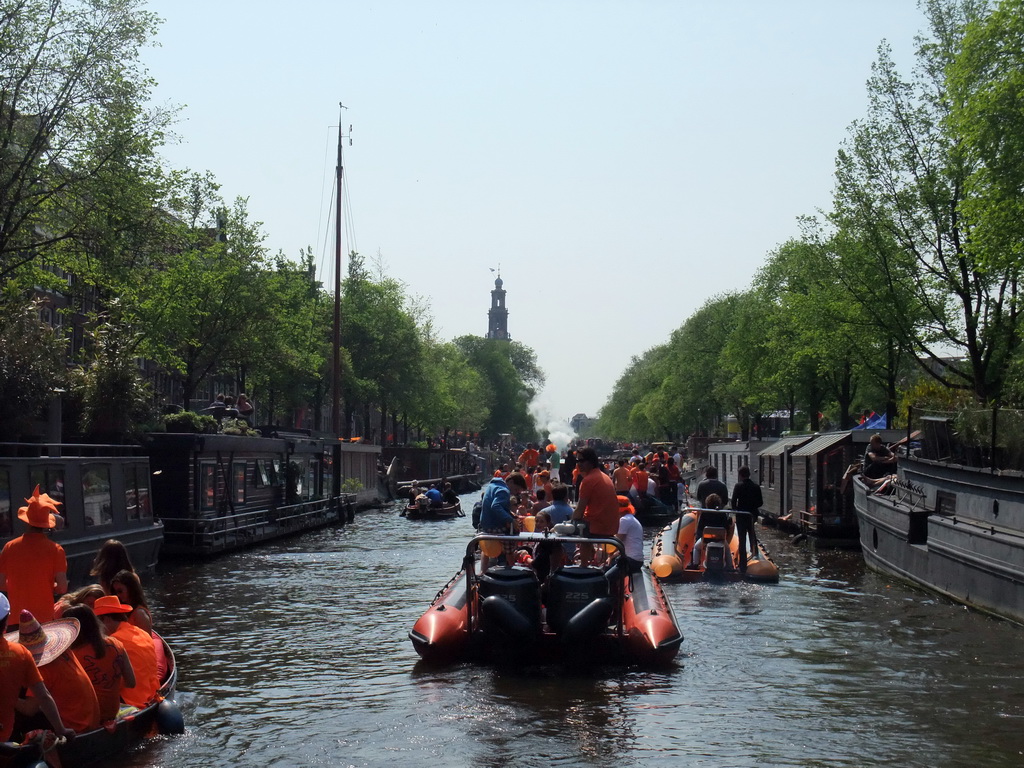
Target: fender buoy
(503, 614)
(588, 621)
(169, 718)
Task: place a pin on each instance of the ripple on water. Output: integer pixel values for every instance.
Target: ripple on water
(297, 654)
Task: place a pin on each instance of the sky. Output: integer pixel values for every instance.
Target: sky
(620, 162)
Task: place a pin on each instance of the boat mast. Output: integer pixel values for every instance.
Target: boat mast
(336, 383)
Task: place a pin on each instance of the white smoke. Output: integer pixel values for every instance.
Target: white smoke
(558, 430)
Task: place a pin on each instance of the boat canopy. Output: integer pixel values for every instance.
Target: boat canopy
(821, 443)
(779, 446)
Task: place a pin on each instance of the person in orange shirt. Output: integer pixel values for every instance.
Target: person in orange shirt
(598, 505)
(64, 677)
(32, 568)
(18, 670)
(139, 645)
(621, 477)
(530, 456)
(104, 660)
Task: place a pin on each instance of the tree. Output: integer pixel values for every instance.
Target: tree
(31, 364)
(203, 303)
(72, 92)
(904, 194)
(511, 372)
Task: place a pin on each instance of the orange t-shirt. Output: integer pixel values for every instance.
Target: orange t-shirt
(600, 503)
(139, 645)
(17, 670)
(72, 692)
(106, 674)
(31, 563)
(640, 478)
(530, 457)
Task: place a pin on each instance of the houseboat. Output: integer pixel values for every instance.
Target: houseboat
(104, 491)
(953, 519)
(217, 493)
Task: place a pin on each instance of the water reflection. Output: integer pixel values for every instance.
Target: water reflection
(297, 654)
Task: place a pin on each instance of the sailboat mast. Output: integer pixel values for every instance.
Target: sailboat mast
(336, 385)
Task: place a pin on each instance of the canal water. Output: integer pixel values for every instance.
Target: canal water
(296, 654)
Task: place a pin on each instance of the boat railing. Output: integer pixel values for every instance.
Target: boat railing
(216, 533)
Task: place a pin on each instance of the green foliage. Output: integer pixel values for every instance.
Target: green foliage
(75, 133)
(31, 364)
(511, 374)
(190, 421)
(351, 485)
(229, 426)
(115, 400)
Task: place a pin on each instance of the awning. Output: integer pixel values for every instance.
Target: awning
(821, 443)
(780, 446)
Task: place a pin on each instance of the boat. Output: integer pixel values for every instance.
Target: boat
(653, 512)
(104, 492)
(161, 716)
(578, 614)
(414, 511)
(218, 493)
(950, 520)
(672, 548)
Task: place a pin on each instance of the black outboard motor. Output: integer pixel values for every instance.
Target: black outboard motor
(578, 604)
(510, 604)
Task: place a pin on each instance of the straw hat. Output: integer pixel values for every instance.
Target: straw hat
(45, 641)
(109, 604)
(40, 509)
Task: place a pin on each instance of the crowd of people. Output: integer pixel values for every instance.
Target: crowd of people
(606, 495)
(71, 666)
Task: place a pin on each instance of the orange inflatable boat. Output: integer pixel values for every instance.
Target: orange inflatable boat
(575, 614)
(672, 552)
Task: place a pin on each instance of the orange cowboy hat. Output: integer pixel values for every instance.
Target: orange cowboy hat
(110, 604)
(45, 641)
(40, 509)
(625, 506)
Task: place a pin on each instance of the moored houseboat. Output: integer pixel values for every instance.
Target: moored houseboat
(217, 493)
(953, 520)
(104, 491)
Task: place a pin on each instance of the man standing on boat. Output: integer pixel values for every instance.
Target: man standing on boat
(711, 484)
(598, 505)
(496, 516)
(747, 501)
(32, 567)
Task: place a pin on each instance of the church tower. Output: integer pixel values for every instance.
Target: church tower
(497, 316)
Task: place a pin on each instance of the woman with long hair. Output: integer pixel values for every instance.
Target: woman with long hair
(83, 596)
(103, 658)
(110, 560)
(128, 589)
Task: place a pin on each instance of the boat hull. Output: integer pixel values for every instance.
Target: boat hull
(975, 556)
(446, 512)
(106, 742)
(673, 547)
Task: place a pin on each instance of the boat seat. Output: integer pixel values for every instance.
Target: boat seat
(714, 533)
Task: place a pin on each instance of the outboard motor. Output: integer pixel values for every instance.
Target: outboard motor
(578, 604)
(510, 604)
(714, 549)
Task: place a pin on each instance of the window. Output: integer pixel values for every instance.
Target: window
(136, 491)
(96, 494)
(207, 485)
(50, 480)
(6, 518)
(238, 481)
(262, 475)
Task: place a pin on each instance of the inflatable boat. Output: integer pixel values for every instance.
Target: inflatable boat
(574, 614)
(672, 551)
